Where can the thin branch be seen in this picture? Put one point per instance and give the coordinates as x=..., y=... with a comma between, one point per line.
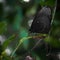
x=54, y=11
x=53, y=15
x=25, y=38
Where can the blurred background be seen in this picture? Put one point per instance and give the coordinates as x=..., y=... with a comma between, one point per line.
x=16, y=17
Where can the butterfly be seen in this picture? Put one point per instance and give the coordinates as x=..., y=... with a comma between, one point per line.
x=42, y=21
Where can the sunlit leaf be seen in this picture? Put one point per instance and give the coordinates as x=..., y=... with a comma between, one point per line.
x=8, y=41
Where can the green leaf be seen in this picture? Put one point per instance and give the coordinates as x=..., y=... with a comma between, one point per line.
x=8, y=41
x=52, y=41
x=50, y=2
x=2, y=27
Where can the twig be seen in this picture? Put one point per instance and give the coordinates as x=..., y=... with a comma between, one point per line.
x=54, y=12
x=53, y=15
x=23, y=39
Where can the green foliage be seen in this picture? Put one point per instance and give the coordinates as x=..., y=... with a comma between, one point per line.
x=8, y=41
x=22, y=13
x=53, y=41
x=3, y=26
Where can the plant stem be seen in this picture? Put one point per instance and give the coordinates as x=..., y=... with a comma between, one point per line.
x=23, y=39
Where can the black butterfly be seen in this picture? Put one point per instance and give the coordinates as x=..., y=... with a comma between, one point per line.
x=42, y=21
